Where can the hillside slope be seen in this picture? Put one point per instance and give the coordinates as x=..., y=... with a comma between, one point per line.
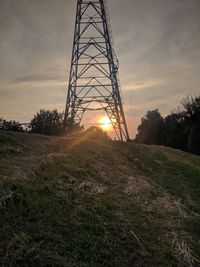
x=82, y=201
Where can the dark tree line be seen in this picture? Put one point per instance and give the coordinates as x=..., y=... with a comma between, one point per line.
x=48, y=122
x=180, y=130
x=44, y=122
x=51, y=123
x=10, y=125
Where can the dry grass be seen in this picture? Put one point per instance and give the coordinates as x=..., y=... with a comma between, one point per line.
x=92, y=187
x=138, y=186
x=68, y=202
x=184, y=252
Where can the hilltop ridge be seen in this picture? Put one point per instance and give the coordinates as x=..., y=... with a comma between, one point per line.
x=84, y=200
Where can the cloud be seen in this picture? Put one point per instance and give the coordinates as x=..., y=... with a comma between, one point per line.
x=142, y=85
x=39, y=79
x=157, y=43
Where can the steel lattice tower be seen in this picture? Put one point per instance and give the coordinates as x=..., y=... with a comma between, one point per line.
x=93, y=81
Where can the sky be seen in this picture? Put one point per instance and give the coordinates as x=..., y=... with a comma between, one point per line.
x=157, y=43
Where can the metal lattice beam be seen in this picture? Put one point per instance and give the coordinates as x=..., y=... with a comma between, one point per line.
x=93, y=81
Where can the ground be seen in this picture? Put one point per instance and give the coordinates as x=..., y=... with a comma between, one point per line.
x=84, y=200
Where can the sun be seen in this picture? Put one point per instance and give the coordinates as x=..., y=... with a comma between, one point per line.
x=105, y=123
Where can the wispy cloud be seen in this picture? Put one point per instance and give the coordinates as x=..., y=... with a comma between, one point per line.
x=39, y=79
x=142, y=84
x=157, y=43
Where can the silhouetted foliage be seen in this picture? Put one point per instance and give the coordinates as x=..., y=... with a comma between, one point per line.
x=47, y=122
x=190, y=108
x=73, y=127
x=52, y=123
x=10, y=126
x=174, y=134
x=180, y=129
x=149, y=129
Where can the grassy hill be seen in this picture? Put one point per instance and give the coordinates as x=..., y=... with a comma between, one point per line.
x=82, y=200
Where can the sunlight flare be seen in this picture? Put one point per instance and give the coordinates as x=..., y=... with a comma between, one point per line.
x=105, y=123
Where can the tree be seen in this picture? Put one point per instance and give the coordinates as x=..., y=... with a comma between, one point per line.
x=190, y=108
x=10, y=125
x=174, y=133
x=193, y=143
x=47, y=122
x=151, y=128
x=180, y=129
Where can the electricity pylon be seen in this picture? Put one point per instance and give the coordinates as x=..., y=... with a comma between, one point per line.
x=93, y=81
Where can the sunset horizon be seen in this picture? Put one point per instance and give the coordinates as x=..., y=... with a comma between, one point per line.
x=156, y=42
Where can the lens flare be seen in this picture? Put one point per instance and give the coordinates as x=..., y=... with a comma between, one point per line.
x=105, y=123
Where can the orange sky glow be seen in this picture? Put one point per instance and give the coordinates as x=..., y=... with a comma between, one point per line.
x=157, y=44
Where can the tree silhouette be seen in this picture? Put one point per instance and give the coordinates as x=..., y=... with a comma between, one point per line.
x=47, y=122
x=190, y=109
x=180, y=129
x=10, y=126
x=150, y=129
x=174, y=134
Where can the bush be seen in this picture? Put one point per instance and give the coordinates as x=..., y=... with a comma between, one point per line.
x=10, y=126
x=47, y=122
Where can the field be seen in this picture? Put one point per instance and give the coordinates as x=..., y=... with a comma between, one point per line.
x=84, y=200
